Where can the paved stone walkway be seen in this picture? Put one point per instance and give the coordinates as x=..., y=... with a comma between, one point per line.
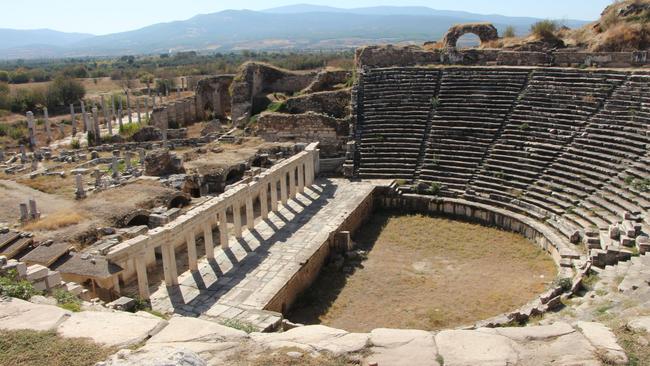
x=242, y=280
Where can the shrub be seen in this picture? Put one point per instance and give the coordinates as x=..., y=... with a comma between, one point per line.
x=4, y=76
x=11, y=286
x=509, y=32
x=435, y=102
x=25, y=99
x=524, y=126
x=277, y=107
x=564, y=283
x=75, y=144
x=129, y=129
x=67, y=300
x=545, y=29
x=63, y=92
x=19, y=77
x=240, y=325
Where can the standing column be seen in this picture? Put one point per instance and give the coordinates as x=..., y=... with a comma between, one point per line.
x=301, y=177
x=119, y=118
x=236, y=213
x=146, y=108
x=31, y=127
x=223, y=229
x=283, y=188
x=191, y=251
x=309, y=173
x=84, y=117
x=98, y=137
x=143, y=280
x=137, y=106
x=250, y=214
x=292, y=182
x=264, y=205
x=274, y=195
x=207, y=239
x=153, y=101
x=107, y=119
x=142, y=157
x=80, y=192
x=169, y=265
x=46, y=118
x=48, y=130
x=128, y=107
x=73, y=120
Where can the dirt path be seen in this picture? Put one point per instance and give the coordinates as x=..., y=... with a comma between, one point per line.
x=12, y=194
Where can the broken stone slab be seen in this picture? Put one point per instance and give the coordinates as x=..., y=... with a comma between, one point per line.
x=315, y=337
x=158, y=356
x=466, y=347
x=36, y=272
x=184, y=329
x=604, y=341
x=397, y=346
x=114, y=329
x=639, y=325
x=16, y=314
x=536, y=333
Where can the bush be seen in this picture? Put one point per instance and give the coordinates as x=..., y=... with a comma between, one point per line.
x=25, y=99
x=75, y=144
x=4, y=76
x=545, y=29
x=11, y=286
x=509, y=32
x=19, y=77
x=67, y=300
x=276, y=107
x=63, y=92
x=129, y=129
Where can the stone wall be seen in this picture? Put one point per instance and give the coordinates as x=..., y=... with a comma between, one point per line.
x=334, y=103
x=255, y=80
x=213, y=96
x=332, y=133
x=327, y=80
x=385, y=56
x=175, y=114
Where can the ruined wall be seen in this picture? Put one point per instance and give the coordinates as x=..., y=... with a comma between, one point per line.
x=332, y=103
x=385, y=56
x=327, y=80
x=213, y=96
x=255, y=80
x=175, y=114
x=331, y=133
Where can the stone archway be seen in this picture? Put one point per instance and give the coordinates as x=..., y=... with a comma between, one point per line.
x=485, y=31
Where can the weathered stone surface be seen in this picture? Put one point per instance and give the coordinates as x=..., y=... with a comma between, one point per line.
x=147, y=133
x=570, y=349
x=18, y=314
x=465, y=347
x=164, y=356
x=532, y=333
x=117, y=329
x=486, y=32
x=604, y=341
x=185, y=329
x=402, y=347
x=316, y=337
x=162, y=162
x=641, y=324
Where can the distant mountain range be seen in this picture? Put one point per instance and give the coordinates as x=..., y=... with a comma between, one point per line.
x=296, y=27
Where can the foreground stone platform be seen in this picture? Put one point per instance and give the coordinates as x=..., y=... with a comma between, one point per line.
x=242, y=281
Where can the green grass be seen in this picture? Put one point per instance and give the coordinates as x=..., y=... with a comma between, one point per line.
x=11, y=286
x=67, y=300
x=277, y=107
x=130, y=129
x=240, y=325
x=29, y=348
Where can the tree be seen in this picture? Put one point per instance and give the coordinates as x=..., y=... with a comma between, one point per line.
x=147, y=78
x=509, y=32
x=19, y=77
x=4, y=76
x=4, y=96
x=63, y=92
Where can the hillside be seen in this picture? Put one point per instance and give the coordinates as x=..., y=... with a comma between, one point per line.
x=289, y=28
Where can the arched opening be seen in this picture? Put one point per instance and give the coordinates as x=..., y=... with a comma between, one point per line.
x=138, y=220
x=468, y=40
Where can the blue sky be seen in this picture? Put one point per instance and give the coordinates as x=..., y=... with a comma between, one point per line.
x=92, y=16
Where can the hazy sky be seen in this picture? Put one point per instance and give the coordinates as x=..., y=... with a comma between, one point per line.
x=101, y=17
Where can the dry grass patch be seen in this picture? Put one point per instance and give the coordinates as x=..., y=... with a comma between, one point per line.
x=427, y=273
x=56, y=220
x=50, y=184
x=29, y=348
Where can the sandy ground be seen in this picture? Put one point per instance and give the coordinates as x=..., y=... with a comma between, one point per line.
x=427, y=273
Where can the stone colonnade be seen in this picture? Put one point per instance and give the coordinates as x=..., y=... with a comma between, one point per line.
x=291, y=175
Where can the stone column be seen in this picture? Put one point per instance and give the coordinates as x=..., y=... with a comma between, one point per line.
x=73, y=121
x=292, y=182
x=178, y=93
x=119, y=119
x=143, y=280
x=128, y=107
x=97, y=174
x=274, y=195
x=283, y=188
x=84, y=117
x=223, y=229
x=114, y=167
x=32, y=129
x=153, y=101
x=169, y=265
x=207, y=239
x=33, y=211
x=107, y=119
x=165, y=125
x=127, y=160
x=236, y=213
x=264, y=204
x=23, y=154
x=192, y=259
x=62, y=129
x=301, y=177
x=98, y=136
x=80, y=192
x=142, y=156
x=309, y=173
x=24, y=213
x=250, y=213
x=146, y=108
x=48, y=130
x=137, y=106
